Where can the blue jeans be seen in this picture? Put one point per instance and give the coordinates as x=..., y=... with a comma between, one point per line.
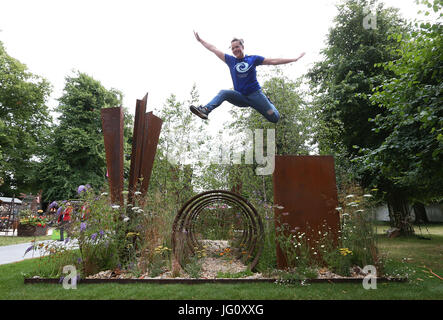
x=256, y=100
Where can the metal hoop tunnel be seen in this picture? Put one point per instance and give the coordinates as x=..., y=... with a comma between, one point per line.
x=252, y=237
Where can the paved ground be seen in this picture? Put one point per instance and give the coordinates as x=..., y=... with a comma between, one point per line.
x=16, y=252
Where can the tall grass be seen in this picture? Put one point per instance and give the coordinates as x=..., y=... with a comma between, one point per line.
x=355, y=245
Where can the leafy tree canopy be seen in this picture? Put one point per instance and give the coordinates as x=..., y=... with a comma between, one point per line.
x=76, y=155
x=411, y=156
x=24, y=124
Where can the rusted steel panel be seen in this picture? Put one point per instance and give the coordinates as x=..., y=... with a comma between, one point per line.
x=152, y=129
x=137, y=147
x=144, y=147
x=305, y=197
x=112, y=125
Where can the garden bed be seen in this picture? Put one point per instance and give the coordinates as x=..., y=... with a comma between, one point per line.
x=222, y=271
x=217, y=268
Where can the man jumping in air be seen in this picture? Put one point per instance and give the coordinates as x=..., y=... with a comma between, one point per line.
x=247, y=90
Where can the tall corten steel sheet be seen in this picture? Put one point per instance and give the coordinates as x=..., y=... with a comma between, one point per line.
x=153, y=125
x=305, y=197
x=137, y=147
x=112, y=125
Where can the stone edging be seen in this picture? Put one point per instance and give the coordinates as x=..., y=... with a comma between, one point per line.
x=201, y=281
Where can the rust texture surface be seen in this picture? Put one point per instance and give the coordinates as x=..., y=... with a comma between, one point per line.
x=145, y=138
x=137, y=144
x=112, y=124
x=305, y=197
x=152, y=127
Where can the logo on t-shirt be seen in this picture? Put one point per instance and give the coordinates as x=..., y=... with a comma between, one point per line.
x=242, y=67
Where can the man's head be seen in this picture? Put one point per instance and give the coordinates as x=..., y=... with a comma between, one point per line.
x=238, y=48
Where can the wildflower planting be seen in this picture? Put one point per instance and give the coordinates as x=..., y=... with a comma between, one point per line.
x=134, y=241
x=323, y=252
x=356, y=245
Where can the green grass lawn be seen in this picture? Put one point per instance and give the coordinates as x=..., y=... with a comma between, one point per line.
x=411, y=254
x=415, y=251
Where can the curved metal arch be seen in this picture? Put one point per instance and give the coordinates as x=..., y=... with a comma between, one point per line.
x=253, y=231
x=204, y=203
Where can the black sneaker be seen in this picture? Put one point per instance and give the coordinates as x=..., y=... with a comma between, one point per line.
x=200, y=111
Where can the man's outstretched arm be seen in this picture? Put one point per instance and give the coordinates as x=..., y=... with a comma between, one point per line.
x=210, y=47
x=277, y=61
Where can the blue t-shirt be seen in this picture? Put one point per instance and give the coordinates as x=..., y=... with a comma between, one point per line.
x=243, y=74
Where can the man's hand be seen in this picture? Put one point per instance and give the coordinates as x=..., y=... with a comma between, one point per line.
x=197, y=36
x=210, y=47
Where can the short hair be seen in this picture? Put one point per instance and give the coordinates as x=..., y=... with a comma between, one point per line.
x=239, y=40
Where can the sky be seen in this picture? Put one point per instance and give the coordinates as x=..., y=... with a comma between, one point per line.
x=141, y=47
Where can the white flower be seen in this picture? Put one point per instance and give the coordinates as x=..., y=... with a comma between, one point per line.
x=339, y=208
x=360, y=210
x=350, y=196
x=135, y=208
x=137, y=193
x=115, y=206
x=353, y=204
x=126, y=219
x=104, y=194
x=367, y=195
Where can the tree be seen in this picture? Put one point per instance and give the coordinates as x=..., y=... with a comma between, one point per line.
x=75, y=155
x=176, y=166
x=410, y=157
x=342, y=84
x=24, y=123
